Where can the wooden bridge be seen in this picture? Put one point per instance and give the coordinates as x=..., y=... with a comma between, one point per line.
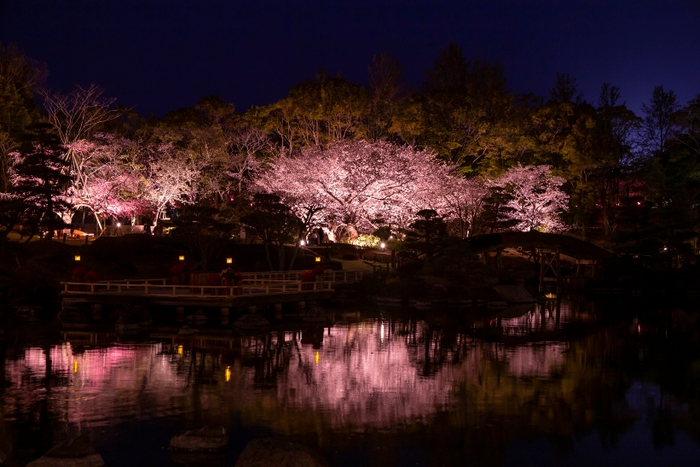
x=255, y=289
x=547, y=250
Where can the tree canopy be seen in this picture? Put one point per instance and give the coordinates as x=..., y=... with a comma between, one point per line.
x=353, y=158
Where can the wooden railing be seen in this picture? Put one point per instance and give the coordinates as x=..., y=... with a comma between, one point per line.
x=190, y=290
x=252, y=284
x=328, y=276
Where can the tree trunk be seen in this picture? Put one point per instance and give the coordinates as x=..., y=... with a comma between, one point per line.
x=294, y=257
x=267, y=255
x=280, y=255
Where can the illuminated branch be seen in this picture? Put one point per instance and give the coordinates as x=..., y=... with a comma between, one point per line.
x=358, y=185
x=537, y=199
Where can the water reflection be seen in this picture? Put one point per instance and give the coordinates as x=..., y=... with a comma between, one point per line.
x=479, y=383
x=372, y=373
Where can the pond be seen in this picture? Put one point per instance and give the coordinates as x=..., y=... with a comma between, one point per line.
x=574, y=383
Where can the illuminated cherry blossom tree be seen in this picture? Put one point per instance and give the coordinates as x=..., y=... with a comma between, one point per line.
x=169, y=179
x=111, y=186
x=537, y=198
x=244, y=144
x=464, y=199
x=129, y=177
x=357, y=186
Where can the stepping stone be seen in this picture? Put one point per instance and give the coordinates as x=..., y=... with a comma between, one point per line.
x=206, y=439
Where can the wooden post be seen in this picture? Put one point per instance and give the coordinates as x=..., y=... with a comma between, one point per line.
x=278, y=310
x=542, y=269
x=224, y=316
x=557, y=271
x=96, y=311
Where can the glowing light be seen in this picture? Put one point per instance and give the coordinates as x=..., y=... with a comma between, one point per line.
x=550, y=296
x=181, y=257
x=639, y=329
x=228, y=374
x=76, y=257
x=317, y=357
x=302, y=242
x=179, y=350
x=381, y=332
x=318, y=259
x=382, y=245
x=229, y=260
x=75, y=366
x=119, y=224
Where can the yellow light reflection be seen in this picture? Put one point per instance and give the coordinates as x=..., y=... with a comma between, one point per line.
x=181, y=257
x=76, y=257
x=317, y=357
x=75, y=366
x=228, y=374
x=179, y=350
x=318, y=259
x=229, y=260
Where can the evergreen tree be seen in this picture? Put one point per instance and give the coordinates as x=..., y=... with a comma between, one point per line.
x=41, y=180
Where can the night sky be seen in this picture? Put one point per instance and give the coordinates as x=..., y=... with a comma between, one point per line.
x=157, y=56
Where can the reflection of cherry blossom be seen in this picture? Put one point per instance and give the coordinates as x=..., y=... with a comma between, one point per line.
x=367, y=374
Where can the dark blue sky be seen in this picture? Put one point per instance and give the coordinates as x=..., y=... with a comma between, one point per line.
x=157, y=56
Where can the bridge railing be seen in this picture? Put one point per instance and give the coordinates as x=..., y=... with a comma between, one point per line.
x=252, y=284
x=264, y=277
x=331, y=275
x=150, y=289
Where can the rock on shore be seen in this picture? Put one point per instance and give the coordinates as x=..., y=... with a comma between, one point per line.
x=206, y=439
x=264, y=452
